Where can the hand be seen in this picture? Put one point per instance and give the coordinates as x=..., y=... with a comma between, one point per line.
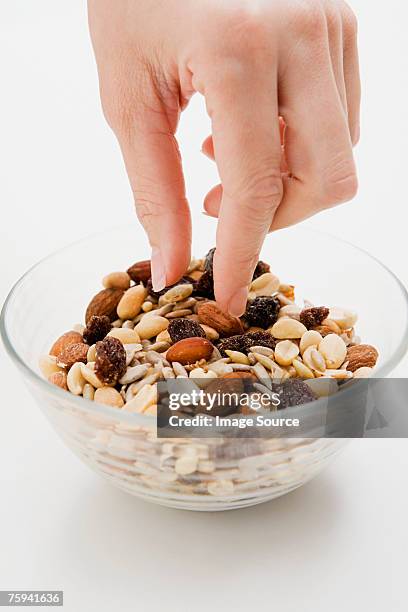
x=253, y=61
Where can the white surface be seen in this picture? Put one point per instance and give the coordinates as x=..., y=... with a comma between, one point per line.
x=338, y=543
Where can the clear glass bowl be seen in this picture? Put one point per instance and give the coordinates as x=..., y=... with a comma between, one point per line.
x=123, y=448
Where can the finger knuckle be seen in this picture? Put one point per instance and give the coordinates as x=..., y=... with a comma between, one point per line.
x=350, y=22
x=341, y=183
x=310, y=20
x=259, y=194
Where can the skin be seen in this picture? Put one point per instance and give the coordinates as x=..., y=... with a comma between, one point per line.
x=281, y=85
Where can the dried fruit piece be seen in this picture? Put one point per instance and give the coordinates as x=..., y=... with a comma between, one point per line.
x=104, y=303
x=243, y=342
x=72, y=354
x=184, y=328
x=96, y=329
x=293, y=392
x=110, y=363
x=205, y=286
x=190, y=350
x=140, y=271
x=261, y=268
x=209, y=261
x=311, y=317
x=225, y=324
x=262, y=312
x=70, y=337
x=361, y=356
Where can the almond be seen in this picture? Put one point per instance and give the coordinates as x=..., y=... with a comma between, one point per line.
x=361, y=356
x=225, y=324
x=239, y=375
x=72, y=354
x=59, y=379
x=140, y=271
x=104, y=303
x=70, y=337
x=190, y=350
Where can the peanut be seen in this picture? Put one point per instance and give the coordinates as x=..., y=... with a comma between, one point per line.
x=126, y=336
x=75, y=380
x=116, y=280
x=285, y=352
x=108, y=396
x=334, y=350
x=288, y=329
x=131, y=302
x=151, y=326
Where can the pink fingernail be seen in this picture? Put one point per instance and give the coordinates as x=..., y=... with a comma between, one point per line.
x=237, y=303
x=158, y=270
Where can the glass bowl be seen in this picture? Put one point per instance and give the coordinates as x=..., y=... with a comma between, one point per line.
x=53, y=295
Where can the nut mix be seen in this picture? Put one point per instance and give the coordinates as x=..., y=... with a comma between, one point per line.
x=134, y=337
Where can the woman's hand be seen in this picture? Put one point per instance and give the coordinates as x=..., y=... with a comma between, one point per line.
x=253, y=61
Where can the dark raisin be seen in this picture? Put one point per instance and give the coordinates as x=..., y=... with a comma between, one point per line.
x=209, y=261
x=110, y=362
x=204, y=287
x=260, y=338
x=262, y=312
x=261, y=268
x=97, y=328
x=179, y=329
x=293, y=392
x=243, y=342
x=184, y=280
x=311, y=317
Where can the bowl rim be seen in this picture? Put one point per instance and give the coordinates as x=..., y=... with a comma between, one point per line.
x=101, y=409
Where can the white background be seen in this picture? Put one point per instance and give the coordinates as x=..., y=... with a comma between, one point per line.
x=339, y=542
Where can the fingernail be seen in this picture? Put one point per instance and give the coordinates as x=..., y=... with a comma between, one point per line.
x=206, y=154
x=158, y=270
x=237, y=303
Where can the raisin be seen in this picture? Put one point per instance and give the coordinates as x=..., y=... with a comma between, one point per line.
x=261, y=268
x=179, y=329
x=293, y=392
x=260, y=338
x=97, y=328
x=312, y=317
x=243, y=342
x=110, y=362
x=183, y=281
x=262, y=312
x=209, y=261
x=204, y=287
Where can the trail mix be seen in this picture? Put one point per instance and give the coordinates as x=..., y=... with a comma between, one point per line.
x=134, y=337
